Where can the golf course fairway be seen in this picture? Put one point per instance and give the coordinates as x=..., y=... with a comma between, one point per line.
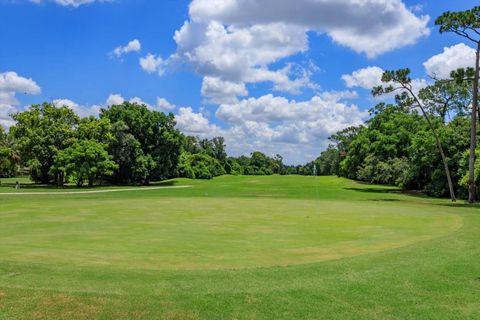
x=238, y=248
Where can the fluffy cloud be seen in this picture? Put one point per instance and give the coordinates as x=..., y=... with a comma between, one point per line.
x=82, y=111
x=366, y=78
x=232, y=43
x=195, y=124
x=228, y=57
x=164, y=105
x=132, y=46
x=153, y=64
x=161, y=104
x=369, y=26
x=452, y=58
x=94, y=110
x=370, y=77
x=297, y=130
x=71, y=3
x=114, y=99
x=222, y=91
x=10, y=85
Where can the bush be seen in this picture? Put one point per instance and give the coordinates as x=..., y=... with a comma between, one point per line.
x=199, y=166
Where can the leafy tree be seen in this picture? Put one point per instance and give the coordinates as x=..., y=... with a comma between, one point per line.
x=128, y=154
x=191, y=145
x=152, y=142
x=219, y=147
x=41, y=132
x=328, y=162
x=9, y=156
x=444, y=97
x=400, y=80
x=91, y=128
x=85, y=160
x=426, y=167
x=343, y=138
x=236, y=168
x=199, y=166
x=467, y=25
x=391, y=171
x=277, y=164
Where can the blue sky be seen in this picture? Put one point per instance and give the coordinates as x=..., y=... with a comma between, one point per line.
x=270, y=75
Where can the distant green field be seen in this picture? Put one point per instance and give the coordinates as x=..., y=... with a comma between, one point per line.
x=237, y=248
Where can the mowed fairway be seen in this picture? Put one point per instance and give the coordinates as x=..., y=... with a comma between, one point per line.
x=238, y=248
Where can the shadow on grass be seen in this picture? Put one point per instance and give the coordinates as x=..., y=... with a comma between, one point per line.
x=374, y=190
x=33, y=186
x=384, y=200
x=410, y=193
x=460, y=204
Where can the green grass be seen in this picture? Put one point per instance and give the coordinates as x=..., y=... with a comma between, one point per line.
x=238, y=248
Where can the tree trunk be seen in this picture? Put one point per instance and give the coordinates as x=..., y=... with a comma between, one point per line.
x=439, y=146
x=472, y=187
x=444, y=158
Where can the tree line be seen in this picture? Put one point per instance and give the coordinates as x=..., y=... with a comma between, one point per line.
x=426, y=140
x=126, y=144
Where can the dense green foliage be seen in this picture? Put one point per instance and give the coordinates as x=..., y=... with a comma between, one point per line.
x=205, y=159
x=199, y=166
x=84, y=160
x=127, y=144
x=146, y=144
x=9, y=157
x=396, y=147
x=257, y=164
x=41, y=132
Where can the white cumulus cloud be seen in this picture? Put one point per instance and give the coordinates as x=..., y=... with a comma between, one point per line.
x=233, y=43
x=114, y=99
x=369, y=26
x=82, y=111
x=195, y=123
x=298, y=130
x=153, y=64
x=366, y=78
x=12, y=84
x=164, y=105
x=132, y=46
x=452, y=58
x=370, y=77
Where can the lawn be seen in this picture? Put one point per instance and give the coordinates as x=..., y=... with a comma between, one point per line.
x=237, y=248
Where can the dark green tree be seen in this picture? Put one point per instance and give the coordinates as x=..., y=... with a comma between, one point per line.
x=9, y=156
x=400, y=81
x=150, y=137
x=219, y=147
x=467, y=25
x=41, y=132
x=85, y=160
x=199, y=166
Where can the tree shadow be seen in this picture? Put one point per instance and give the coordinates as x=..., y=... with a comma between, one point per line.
x=460, y=204
x=384, y=200
x=379, y=190
x=169, y=183
x=33, y=186
x=374, y=190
